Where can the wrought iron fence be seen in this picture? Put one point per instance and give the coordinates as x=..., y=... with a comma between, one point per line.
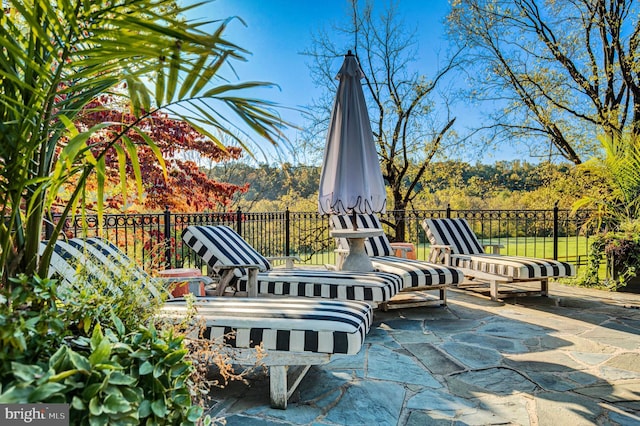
x=154, y=239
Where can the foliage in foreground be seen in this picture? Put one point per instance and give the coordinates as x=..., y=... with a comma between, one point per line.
x=129, y=373
x=59, y=58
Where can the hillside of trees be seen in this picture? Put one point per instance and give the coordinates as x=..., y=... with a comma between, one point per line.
x=502, y=185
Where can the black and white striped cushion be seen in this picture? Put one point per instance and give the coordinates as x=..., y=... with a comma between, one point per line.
x=95, y=260
x=69, y=265
x=416, y=273
x=109, y=257
x=517, y=267
x=373, y=246
x=295, y=324
x=468, y=253
x=283, y=324
x=222, y=246
x=455, y=233
x=374, y=287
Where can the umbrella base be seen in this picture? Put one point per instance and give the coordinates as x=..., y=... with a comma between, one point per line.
x=357, y=260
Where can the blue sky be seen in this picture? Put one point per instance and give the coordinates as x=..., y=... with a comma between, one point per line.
x=277, y=31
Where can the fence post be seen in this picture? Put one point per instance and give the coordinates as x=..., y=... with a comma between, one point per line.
x=48, y=226
x=239, y=222
x=448, y=211
x=555, y=231
x=167, y=237
x=287, y=233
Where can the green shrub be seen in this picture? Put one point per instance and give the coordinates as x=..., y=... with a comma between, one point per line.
x=112, y=378
x=128, y=374
x=32, y=327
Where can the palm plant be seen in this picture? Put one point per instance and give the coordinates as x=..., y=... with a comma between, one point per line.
x=56, y=56
x=615, y=207
x=617, y=201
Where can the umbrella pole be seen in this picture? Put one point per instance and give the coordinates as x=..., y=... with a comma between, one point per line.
x=354, y=220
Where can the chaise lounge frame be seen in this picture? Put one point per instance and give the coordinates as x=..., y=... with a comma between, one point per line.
x=454, y=243
x=324, y=322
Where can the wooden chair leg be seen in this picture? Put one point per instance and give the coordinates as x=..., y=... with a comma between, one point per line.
x=544, y=287
x=493, y=288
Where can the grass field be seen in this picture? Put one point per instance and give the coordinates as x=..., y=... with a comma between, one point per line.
x=573, y=250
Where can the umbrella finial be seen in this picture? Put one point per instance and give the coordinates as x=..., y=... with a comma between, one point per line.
x=349, y=53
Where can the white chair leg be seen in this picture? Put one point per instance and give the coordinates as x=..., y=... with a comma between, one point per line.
x=493, y=288
x=278, y=386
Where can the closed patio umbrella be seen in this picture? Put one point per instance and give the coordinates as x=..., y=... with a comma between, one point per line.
x=351, y=181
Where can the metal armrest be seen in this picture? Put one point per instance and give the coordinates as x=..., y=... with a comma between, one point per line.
x=288, y=260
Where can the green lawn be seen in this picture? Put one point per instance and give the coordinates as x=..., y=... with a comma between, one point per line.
x=572, y=249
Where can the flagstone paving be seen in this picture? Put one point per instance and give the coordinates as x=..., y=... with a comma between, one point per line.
x=570, y=359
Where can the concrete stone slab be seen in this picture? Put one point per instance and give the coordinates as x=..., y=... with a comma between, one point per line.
x=442, y=402
x=409, y=337
x=572, y=408
x=436, y=361
x=498, y=343
x=371, y=403
x=514, y=408
x=629, y=361
x=419, y=418
x=611, y=337
x=472, y=356
x=613, y=392
x=548, y=361
x=497, y=381
x=388, y=365
x=500, y=327
x=455, y=326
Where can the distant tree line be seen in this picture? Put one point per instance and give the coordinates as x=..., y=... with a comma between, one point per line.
x=504, y=184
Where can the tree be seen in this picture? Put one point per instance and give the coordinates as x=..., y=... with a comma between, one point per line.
x=58, y=57
x=406, y=128
x=186, y=187
x=560, y=72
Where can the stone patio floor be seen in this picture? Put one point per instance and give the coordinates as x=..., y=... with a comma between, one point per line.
x=572, y=358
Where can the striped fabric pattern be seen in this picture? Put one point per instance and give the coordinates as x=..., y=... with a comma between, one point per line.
x=374, y=246
x=455, y=233
x=68, y=265
x=374, y=287
x=109, y=257
x=96, y=260
x=467, y=253
x=414, y=273
x=296, y=324
x=222, y=246
x=291, y=324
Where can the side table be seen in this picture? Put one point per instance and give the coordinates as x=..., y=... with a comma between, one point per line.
x=189, y=285
x=357, y=260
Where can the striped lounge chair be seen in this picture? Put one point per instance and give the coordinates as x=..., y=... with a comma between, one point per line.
x=454, y=243
x=241, y=267
x=416, y=274
x=295, y=333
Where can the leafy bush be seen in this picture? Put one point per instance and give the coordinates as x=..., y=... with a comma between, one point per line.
x=120, y=376
x=112, y=378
